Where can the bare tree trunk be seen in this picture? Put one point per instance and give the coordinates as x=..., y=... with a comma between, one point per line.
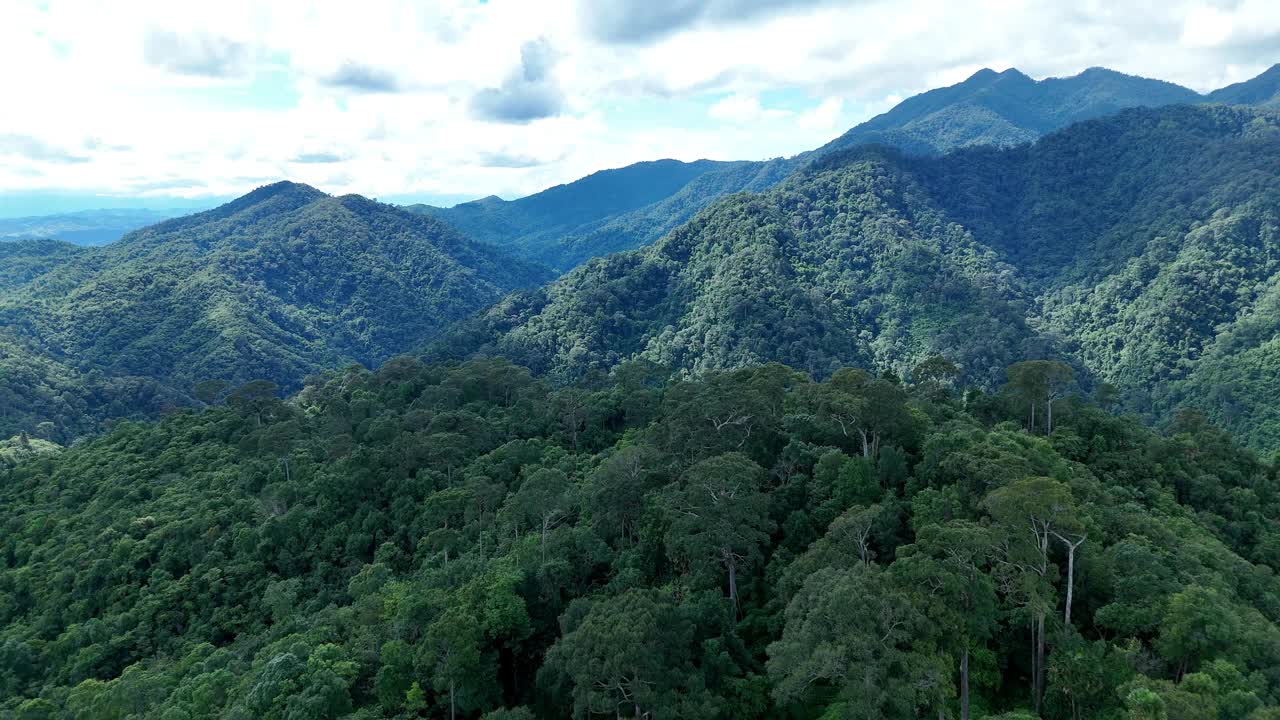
x=964, y=683
x=1049, y=415
x=1071, y=574
x=1031, y=427
x=453, y=708
x=732, y=564
x=1035, y=670
x=1040, y=675
x=1071, y=584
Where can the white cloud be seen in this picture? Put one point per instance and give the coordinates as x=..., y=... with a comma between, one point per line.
x=158, y=96
x=824, y=117
x=742, y=108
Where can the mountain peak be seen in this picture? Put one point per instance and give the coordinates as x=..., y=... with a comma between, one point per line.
x=282, y=187
x=985, y=74
x=284, y=192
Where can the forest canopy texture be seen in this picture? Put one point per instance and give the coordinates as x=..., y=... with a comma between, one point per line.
x=469, y=541
x=1141, y=248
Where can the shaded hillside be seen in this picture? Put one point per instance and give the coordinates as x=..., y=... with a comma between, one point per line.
x=1130, y=245
x=276, y=285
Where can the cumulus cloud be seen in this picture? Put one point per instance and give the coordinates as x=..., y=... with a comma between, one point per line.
x=509, y=160
x=530, y=93
x=642, y=21
x=362, y=78
x=195, y=53
x=826, y=116
x=404, y=93
x=32, y=148
x=317, y=158
x=741, y=108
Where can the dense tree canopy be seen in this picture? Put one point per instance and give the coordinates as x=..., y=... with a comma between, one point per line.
x=1139, y=249
x=468, y=541
x=279, y=284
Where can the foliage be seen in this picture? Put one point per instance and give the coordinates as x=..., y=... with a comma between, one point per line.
x=1140, y=249
x=467, y=540
x=277, y=285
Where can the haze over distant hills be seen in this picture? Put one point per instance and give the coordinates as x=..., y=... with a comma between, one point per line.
x=275, y=285
x=567, y=224
x=84, y=227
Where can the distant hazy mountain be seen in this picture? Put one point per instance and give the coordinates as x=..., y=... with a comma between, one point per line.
x=535, y=226
x=86, y=227
x=1144, y=247
x=634, y=206
x=280, y=283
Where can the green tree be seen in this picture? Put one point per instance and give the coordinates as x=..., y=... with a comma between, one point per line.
x=946, y=570
x=718, y=513
x=627, y=656
x=1038, y=381
x=851, y=632
x=1028, y=513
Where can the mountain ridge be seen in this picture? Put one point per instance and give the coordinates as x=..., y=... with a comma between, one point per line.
x=988, y=108
x=881, y=259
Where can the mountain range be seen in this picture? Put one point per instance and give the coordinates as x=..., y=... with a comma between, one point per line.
x=567, y=224
x=1143, y=246
x=879, y=254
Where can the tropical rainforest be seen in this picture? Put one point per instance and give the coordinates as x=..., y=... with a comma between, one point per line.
x=469, y=541
x=969, y=414
x=281, y=283
x=1141, y=247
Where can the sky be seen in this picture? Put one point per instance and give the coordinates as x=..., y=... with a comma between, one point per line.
x=178, y=103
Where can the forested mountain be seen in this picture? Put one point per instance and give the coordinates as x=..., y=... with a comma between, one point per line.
x=278, y=284
x=1005, y=109
x=633, y=206
x=86, y=227
x=1263, y=91
x=24, y=260
x=534, y=225
x=469, y=542
x=1144, y=248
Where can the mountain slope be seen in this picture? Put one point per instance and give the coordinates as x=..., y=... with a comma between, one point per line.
x=568, y=224
x=1090, y=245
x=1005, y=109
x=276, y=285
x=1263, y=90
x=534, y=225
